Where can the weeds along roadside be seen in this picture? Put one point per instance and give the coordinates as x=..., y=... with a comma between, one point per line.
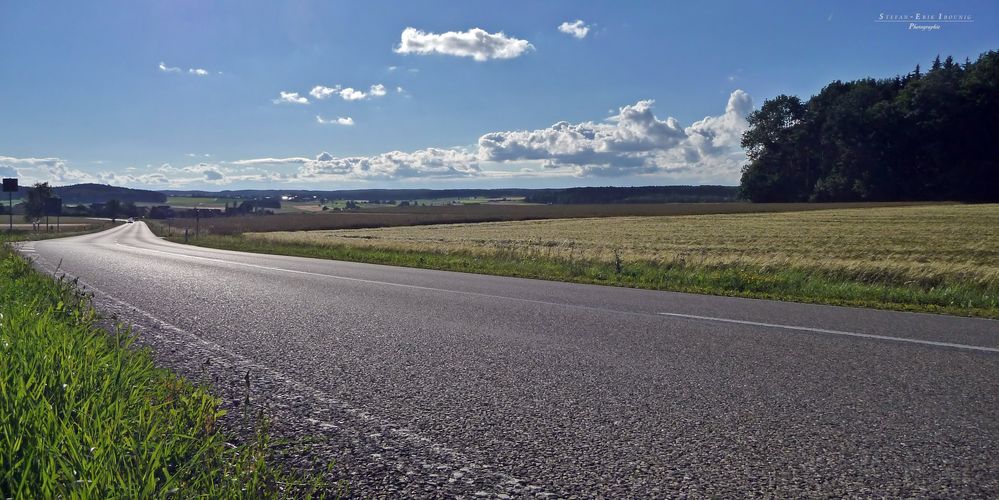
x=26, y=235
x=83, y=413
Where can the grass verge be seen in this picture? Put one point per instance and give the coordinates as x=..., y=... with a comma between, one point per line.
x=739, y=280
x=85, y=414
x=25, y=235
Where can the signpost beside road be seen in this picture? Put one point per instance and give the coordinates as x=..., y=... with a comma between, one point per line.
x=53, y=206
x=10, y=187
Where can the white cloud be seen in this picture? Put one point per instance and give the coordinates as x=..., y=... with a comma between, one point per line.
x=634, y=141
x=271, y=161
x=7, y=171
x=349, y=94
x=346, y=121
x=291, y=97
x=400, y=90
x=431, y=162
x=191, y=71
x=168, y=69
x=576, y=28
x=475, y=43
x=321, y=92
x=54, y=170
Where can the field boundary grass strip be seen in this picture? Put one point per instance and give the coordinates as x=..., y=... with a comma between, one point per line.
x=789, y=284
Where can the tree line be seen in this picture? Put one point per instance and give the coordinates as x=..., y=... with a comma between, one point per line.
x=637, y=194
x=921, y=136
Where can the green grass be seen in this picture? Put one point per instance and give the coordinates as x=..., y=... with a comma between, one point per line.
x=28, y=235
x=741, y=280
x=195, y=201
x=84, y=414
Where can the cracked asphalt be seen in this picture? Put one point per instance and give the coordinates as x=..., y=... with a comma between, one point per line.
x=437, y=384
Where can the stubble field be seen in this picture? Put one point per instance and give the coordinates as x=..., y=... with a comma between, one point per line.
x=942, y=258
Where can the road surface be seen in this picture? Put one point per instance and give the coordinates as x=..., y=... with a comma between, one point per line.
x=427, y=383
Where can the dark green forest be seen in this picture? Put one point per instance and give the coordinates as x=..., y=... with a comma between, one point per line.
x=930, y=135
x=638, y=194
x=100, y=193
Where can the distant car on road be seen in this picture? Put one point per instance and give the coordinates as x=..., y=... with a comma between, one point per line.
x=130, y=220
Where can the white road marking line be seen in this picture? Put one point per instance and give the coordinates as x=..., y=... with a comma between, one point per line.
x=386, y=283
x=577, y=306
x=835, y=332
x=459, y=460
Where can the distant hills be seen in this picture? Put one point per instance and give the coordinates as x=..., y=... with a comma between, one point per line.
x=85, y=194
x=78, y=194
x=638, y=194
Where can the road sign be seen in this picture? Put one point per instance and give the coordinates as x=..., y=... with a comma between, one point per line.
x=53, y=206
x=10, y=185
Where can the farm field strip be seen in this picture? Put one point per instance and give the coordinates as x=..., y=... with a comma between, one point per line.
x=933, y=258
x=474, y=213
x=922, y=243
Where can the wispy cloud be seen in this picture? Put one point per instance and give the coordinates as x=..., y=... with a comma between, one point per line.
x=168, y=69
x=340, y=120
x=576, y=28
x=191, y=71
x=475, y=43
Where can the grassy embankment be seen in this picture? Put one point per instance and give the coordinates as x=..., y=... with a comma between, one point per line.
x=85, y=415
x=942, y=259
x=26, y=234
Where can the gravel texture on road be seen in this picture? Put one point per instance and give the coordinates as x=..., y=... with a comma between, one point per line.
x=427, y=383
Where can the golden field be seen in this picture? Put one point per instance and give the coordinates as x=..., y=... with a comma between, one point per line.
x=915, y=246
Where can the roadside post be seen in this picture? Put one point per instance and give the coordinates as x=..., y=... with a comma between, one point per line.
x=53, y=206
x=9, y=187
x=197, y=222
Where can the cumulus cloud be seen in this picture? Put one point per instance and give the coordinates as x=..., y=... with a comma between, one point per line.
x=291, y=97
x=431, y=162
x=322, y=92
x=634, y=141
x=475, y=43
x=347, y=93
x=271, y=161
x=198, y=71
x=54, y=170
x=200, y=173
x=576, y=28
x=340, y=120
x=213, y=175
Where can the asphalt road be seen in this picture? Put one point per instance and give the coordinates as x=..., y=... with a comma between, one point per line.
x=426, y=383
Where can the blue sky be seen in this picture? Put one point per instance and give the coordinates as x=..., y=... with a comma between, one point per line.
x=188, y=94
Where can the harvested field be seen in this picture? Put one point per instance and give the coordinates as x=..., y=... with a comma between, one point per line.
x=411, y=216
